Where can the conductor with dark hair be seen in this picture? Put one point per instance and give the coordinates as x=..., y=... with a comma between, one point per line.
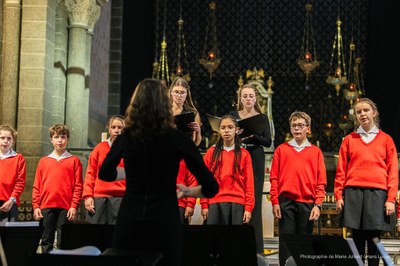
x=152, y=149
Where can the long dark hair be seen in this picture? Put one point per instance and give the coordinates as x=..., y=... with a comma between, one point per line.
x=216, y=160
x=149, y=114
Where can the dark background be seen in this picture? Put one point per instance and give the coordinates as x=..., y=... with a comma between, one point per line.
x=267, y=34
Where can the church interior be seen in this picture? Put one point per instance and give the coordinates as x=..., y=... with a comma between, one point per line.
x=79, y=63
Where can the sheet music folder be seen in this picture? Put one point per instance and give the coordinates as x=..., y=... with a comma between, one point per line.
x=182, y=121
x=250, y=126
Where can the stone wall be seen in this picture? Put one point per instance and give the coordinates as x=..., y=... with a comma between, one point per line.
x=35, y=84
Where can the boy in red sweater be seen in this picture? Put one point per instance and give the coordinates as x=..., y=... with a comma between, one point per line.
x=298, y=181
x=57, y=189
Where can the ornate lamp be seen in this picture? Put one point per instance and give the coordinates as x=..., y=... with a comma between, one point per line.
x=210, y=59
x=337, y=75
x=354, y=88
x=154, y=73
x=181, y=62
x=307, y=60
x=346, y=124
x=163, y=70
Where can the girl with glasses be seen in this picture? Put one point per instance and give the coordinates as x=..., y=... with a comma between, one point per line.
x=182, y=102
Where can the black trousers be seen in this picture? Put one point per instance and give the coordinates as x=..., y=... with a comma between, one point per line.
x=53, y=219
x=294, y=221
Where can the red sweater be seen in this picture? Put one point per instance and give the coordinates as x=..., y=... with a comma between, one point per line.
x=299, y=176
x=367, y=165
x=58, y=184
x=233, y=187
x=93, y=186
x=12, y=177
x=186, y=178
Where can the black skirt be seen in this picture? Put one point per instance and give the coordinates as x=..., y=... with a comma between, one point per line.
x=364, y=209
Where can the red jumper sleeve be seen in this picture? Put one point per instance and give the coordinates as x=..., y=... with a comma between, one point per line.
x=249, y=178
x=341, y=170
x=77, y=196
x=321, y=179
x=20, y=180
x=274, y=178
x=393, y=170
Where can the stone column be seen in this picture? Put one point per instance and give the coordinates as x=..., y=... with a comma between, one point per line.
x=80, y=13
x=10, y=62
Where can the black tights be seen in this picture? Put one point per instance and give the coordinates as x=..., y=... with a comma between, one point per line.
x=362, y=236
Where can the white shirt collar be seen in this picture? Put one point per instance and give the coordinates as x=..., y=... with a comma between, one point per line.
x=10, y=153
x=229, y=148
x=65, y=155
x=374, y=130
x=109, y=141
x=293, y=143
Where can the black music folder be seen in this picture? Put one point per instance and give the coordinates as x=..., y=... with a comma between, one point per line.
x=182, y=121
x=214, y=122
x=252, y=125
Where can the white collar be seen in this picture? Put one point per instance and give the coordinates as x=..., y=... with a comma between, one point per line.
x=10, y=153
x=374, y=130
x=293, y=143
x=231, y=148
x=65, y=155
x=109, y=142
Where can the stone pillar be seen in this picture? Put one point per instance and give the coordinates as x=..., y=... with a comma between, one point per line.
x=10, y=62
x=89, y=84
x=80, y=14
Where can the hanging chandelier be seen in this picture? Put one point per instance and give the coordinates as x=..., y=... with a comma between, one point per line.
x=307, y=60
x=181, y=62
x=337, y=75
x=155, y=63
x=350, y=92
x=355, y=88
x=210, y=59
x=163, y=69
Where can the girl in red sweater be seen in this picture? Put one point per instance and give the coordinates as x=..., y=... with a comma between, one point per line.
x=232, y=167
x=12, y=175
x=366, y=180
x=102, y=199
